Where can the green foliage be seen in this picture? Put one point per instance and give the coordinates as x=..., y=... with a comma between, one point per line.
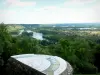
x=27, y=34
x=5, y=39
x=77, y=50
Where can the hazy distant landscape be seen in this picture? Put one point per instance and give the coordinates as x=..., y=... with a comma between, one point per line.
x=80, y=29
x=78, y=44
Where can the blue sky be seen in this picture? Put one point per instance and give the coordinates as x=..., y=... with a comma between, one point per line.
x=49, y=11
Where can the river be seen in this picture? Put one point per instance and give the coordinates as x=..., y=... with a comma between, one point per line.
x=38, y=36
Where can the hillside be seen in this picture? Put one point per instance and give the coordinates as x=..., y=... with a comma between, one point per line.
x=14, y=27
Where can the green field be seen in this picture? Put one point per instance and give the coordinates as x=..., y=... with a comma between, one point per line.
x=12, y=28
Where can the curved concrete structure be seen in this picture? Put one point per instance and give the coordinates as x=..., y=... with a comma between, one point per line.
x=49, y=65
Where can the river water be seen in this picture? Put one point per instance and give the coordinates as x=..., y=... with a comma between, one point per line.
x=38, y=36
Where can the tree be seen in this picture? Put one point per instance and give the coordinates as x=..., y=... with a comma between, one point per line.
x=78, y=53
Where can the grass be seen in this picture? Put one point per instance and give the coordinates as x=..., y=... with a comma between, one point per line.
x=12, y=28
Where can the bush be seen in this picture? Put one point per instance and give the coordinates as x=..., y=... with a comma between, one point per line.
x=88, y=68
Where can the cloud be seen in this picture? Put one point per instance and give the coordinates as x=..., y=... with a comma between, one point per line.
x=49, y=8
x=19, y=3
x=79, y=3
x=2, y=14
x=53, y=14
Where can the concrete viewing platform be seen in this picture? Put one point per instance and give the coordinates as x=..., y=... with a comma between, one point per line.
x=46, y=64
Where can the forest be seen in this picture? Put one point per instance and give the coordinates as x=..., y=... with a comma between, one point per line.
x=81, y=48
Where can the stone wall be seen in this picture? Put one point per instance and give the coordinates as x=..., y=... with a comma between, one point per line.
x=69, y=70
x=15, y=67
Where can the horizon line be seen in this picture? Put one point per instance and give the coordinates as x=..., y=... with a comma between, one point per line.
x=55, y=23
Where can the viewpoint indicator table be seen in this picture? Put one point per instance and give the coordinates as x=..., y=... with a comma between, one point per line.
x=49, y=65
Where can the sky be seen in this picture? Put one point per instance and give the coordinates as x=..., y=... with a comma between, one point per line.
x=49, y=11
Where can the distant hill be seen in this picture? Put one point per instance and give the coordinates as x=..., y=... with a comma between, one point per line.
x=14, y=27
x=30, y=25
x=72, y=25
x=85, y=25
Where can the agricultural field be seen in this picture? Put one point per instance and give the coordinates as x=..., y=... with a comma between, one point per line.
x=12, y=28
